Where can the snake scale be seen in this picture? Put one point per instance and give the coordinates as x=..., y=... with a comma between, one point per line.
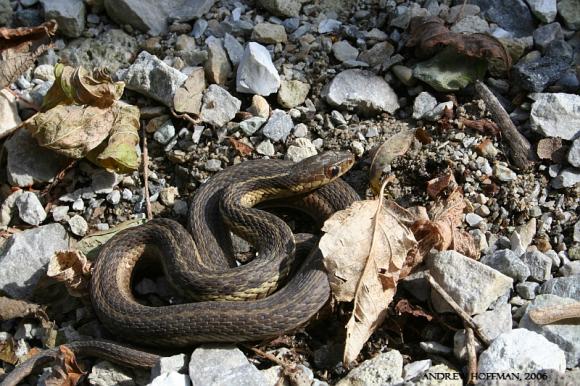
x=233, y=303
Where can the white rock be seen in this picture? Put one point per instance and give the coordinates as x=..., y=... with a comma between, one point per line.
x=78, y=225
x=424, y=102
x=8, y=208
x=301, y=149
x=523, y=351
x=30, y=209
x=278, y=127
x=9, y=118
x=106, y=374
x=544, y=10
x=266, y=148
x=219, y=106
x=556, y=115
x=256, y=73
x=384, y=369
x=567, y=178
x=170, y=379
x=574, y=153
x=175, y=363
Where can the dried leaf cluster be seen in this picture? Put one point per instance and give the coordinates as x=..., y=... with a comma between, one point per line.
x=73, y=269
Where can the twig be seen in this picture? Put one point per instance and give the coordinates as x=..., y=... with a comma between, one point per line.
x=268, y=356
x=522, y=153
x=58, y=179
x=471, y=355
x=458, y=310
x=145, y=156
x=187, y=117
x=555, y=314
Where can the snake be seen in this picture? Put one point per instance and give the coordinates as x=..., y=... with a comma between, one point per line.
x=269, y=296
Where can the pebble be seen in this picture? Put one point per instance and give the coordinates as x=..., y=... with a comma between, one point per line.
x=175, y=363
x=60, y=213
x=219, y=106
x=188, y=97
x=251, y=125
x=300, y=149
x=415, y=369
x=527, y=290
x=199, y=28
x=69, y=14
x=539, y=264
x=171, y=379
x=213, y=165
x=217, y=66
x=300, y=130
x=344, y=52
x=384, y=369
x=78, y=205
x=574, y=153
x=567, y=178
x=114, y=197
x=278, y=127
x=424, y=102
x=514, y=17
x=503, y=173
x=546, y=34
x=234, y=49
x=30, y=210
x=259, y=107
x=164, y=133
x=180, y=207
x=266, y=148
x=506, y=262
x=473, y=219
x=292, y=93
x=256, y=73
x=78, y=225
x=570, y=13
x=288, y=8
x=544, y=10
x=329, y=25
x=570, y=269
x=269, y=33
x=105, y=373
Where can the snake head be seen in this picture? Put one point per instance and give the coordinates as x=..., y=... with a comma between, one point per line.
x=316, y=171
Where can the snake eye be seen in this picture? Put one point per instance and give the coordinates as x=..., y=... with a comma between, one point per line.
x=333, y=171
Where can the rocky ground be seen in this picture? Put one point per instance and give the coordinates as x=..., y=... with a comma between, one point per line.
x=218, y=82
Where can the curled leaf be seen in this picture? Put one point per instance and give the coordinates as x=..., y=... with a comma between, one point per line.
x=66, y=371
x=72, y=268
x=91, y=244
x=13, y=308
x=242, y=148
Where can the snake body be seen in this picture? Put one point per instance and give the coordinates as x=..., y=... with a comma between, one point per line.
x=202, y=263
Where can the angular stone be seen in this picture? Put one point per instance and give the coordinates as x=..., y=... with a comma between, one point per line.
x=170, y=379
x=361, y=91
x=279, y=126
x=292, y=93
x=269, y=33
x=424, y=102
x=175, y=363
x=9, y=118
x=30, y=209
x=302, y=148
x=152, y=77
x=539, y=264
x=556, y=115
x=105, y=373
x=565, y=287
x=217, y=66
x=546, y=34
x=251, y=125
x=234, y=49
x=506, y=262
x=544, y=10
x=69, y=14
x=513, y=16
x=256, y=72
x=78, y=225
x=188, y=97
x=344, y=52
x=473, y=285
x=535, y=75
x=569, y=10
x=378, y=54
x=282, y=7
x=219, y=106
x=574, y=153
x=24, y=255
x=384, y=369
x=567, y=178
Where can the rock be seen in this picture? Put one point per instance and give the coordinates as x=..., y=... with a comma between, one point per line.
x=103, y=181
x=378, y=54
x=344, y=52
x=503, y=173
x=164, y=133
x=556, y=115
x=523, y=236
x=151, y=16
x=266, y=148
x=301, y=375
x=251, y=125
x=361, y=91
x=328, y=25
x=521, y=350
x=5, y=13
x=574, y=153
x=473, y=285
x=217, y=67
x=424, y=102
x=8, y=209
x=256, y=72
x=567, y=178
x=565, y=287
x=78, y=225
x=184, y=43
x=514, y=16
x=292, y=93
x=188, y=97
x=301, y=149
x=222, y=365
x=539, y=264
x=171, y=379
x=535, y=75
x=9, y=118
x=570, y=269
x=565, y=334
x=506, y=262
x=24, y=170
x=527, y=290
x=544, y=10
x=259, y=107
x=69, y=14
x=495, y=322
x=415, y=369
x=24, y=255
x=213, y=165
x=105, y=373
x=447, y=72
x=269, y=33
x=278, y=127
x=470, y=25
x=30, y=209
x=150, y=76
x=546, y=34
x=473, y=219
x=175, y=363
x=570, y=12
x=287, y=8
x=112, y=49
x=114, y=197
x=219, y=106
x=234, y=49
x=384, y=369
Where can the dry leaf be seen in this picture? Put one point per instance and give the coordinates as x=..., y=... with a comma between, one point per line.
x=19, y=48
x=429, y=35
x=439, y=184
x=241, y=148
x=66, y=372
x=484, y=126
x=7, y=353
x=91, y=244
x=552, y=149
x=385, y=153
x=72, y=268
x=365, y=248
x=404, y=307
x=13, y=308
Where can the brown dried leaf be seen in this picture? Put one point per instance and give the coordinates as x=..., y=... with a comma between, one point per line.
x=404, y=307
x=484, y=126
x=241, y=148
x=365, y=248
x=91, y=244
x=439, y=184
x=73, y=269
x=551, y=149
x=385, y=153
x=66, y=372
x=19, y=48
x=13, y=308
x=7, y=351
x=429, y=35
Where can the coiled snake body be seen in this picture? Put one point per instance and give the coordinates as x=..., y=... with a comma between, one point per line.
x=200, y=265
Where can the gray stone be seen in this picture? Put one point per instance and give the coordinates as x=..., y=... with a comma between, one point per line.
x=199, y=28
x=69, y=14
x=292, y=93
x=24, y=170
x=565, y=334
x=361, y=91
x=30, y=209
x=544, y=10
x=282, y=7
x=5, y=12
x=266, y=148
x=113, y=49
x=513, y=16
x=569, y=10
x=222, y=365
x=234, y=48
x=503, y=173
x=424, y=102
x=527, y=290
x=278, y=127
x=189, y=95
x=521, y=350
x=217, y=66
x=251, y=125
x=565, y=287
x=567, y=178
x=300, y=149
x=269, y=33
x=378, y=54
x=175, y=363
x=78, y=225
x=24, y=255
x=473, y=285
x=103, y=182
x=164, y=133
x=105, y=373
x=150, y=76
x=508, y=263
x=219, y=106
x=384, y=369
x=462, y=10
x=329, y=25
x=302, y=375
x=473, y=219
x=60, y=213
x=546, y=34
x=522, y=237
x=570, y=269
x=535, y=75
x=496, y=321
x=170, y=379
x=574, y=153
x=213, y=165
x=114, y=197
x=415, y=369
x=343, y=51
x=256, y=72
x=470, y=25
x=152, y=16
x=540, y=265
x=9, y=118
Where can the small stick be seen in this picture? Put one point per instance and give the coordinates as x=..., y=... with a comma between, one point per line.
x=471, y=355
x=522, y=153
x=553, y=314
x=146, y=175
x=187, y=117
x=458, y=310
x=268, y=356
